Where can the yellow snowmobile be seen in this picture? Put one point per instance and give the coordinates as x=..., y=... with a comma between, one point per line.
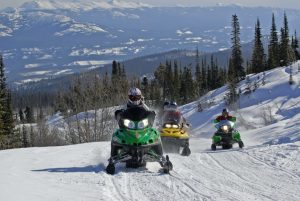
x=174, y=133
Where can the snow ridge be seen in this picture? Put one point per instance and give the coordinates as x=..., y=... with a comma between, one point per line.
x=77, y=5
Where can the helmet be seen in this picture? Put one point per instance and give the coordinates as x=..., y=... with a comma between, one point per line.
x=166, y=103
x=225, y=112
x=173, y=103
x=134, y=96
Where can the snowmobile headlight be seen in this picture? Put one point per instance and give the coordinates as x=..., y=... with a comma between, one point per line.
x=168, y=125
x=175, y=126
x=225, y=128
x=129, y=124
x=143, y=124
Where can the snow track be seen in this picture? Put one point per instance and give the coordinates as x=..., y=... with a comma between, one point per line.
x=222, y=175
x=78, y=173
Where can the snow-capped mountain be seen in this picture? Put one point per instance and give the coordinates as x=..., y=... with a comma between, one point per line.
x=43, y=39
x=83, y=5
x=266, y=169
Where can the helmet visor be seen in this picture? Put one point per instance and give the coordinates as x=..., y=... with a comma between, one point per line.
x=135, y=97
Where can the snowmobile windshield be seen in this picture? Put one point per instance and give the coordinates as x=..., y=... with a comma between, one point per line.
x=225, y=123
x=171, y=117
x=137, y=114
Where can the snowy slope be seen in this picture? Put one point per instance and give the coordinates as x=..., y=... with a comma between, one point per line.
x=268, y=168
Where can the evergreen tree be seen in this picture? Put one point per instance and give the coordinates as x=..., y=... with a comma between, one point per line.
x=232, y=85
x=295, y=46
x=186, y=86
x=25, y=141
x=236, y=54
x=114, y=71
x=199, y=79
x=273, y=48
x=159, y=74
x=7, y=114
x=204, y=76
x=3, y=136
x=169, y=89
x=198, y=75
x=258, y=56
x=21, y=116
x=145, y=87
x=176, y=81
x=287, y=54
x=29, y=115
x=235, y=70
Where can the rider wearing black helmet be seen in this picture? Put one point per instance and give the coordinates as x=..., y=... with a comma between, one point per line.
x=225, y=116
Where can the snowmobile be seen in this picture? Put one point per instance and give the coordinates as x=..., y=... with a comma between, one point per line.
x=174, y=134
x=226, y=135
x=136, y=142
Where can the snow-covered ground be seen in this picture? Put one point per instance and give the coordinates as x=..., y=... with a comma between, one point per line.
x=268, y=168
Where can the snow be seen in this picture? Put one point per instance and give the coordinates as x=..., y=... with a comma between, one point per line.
x=80, y=28
x=88, y=63
x=181, y=33
x=33, y=65
x=105, y=51
x=36, y=73
x=268, y=168
x=84, y=5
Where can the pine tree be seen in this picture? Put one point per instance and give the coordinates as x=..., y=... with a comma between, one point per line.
x=235, y=68
x=145, y=87
x=204, y=76
x=169, y=89
x=232, y=84
x=236, y=54
x=114, y=71
x=7, y=120
x=21, y=116
x=186, y=86
x=198, y=75
x=258, y=56
x=295, y=46
x=25, y=141
x=29, y=115
x=176, y=81
x=284, y=43
x=159, y=74
x=273, y=48
x=199, y=79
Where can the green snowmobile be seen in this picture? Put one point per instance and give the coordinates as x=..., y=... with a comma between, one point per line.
x=226, y=135
x=136, y=142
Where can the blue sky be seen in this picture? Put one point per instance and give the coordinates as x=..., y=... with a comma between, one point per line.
x=270, y=3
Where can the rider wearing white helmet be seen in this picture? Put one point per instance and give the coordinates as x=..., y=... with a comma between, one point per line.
x=135, y=98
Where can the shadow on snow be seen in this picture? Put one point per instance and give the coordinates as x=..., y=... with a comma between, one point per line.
x=90, y=168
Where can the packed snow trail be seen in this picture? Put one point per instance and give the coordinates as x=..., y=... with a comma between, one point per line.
x=78, y=173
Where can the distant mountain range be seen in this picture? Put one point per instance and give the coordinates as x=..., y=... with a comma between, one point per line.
x=46, y=39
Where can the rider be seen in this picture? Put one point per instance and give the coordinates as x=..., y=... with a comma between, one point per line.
x=225, y=116
x=171, y=112
x=135, y=100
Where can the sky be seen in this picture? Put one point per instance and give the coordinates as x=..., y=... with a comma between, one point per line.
x=270, y=3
